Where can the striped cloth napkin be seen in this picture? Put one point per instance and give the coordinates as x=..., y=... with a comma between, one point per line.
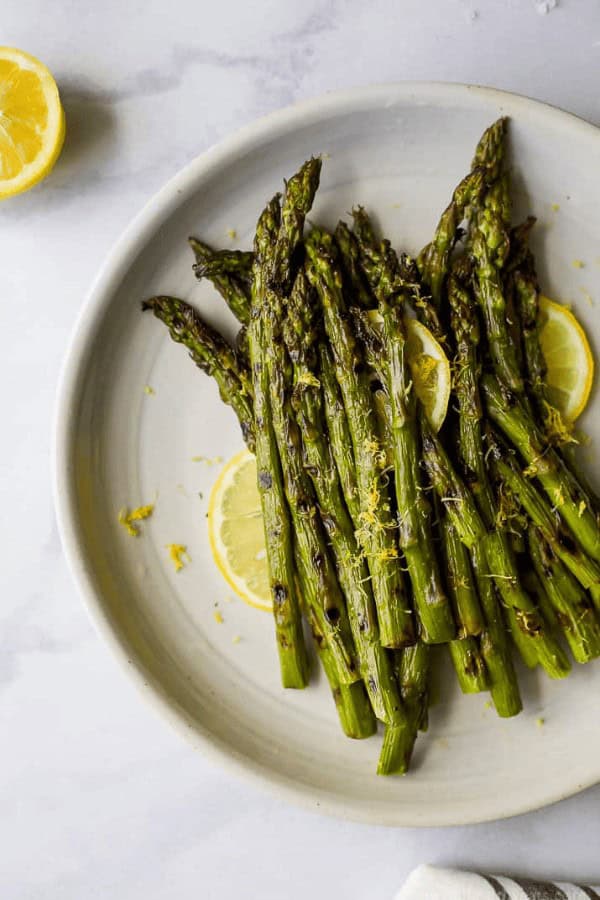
x=431, y=883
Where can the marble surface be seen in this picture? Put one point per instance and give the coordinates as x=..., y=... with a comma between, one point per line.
x=98, y=797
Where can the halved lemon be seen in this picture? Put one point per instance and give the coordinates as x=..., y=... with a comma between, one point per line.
x=568, y=359
x=235, y=531
x=32, y=121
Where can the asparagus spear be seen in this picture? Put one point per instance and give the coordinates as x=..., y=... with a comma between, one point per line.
x=276, y=516
x=227, y=263
x=467, y=612
x=322, y=590
x=469, y=665
x=434, y=259
x=488, y=234
x=363, y=228
x=466, y=332
x=569, y=601
x=545, y=518
x=355, y=286
x=526, y=292
x=527, y=650
x=339, y=433
x=390, y=281
x=299, y=194
x=414, y=511
x=544, y=464
x=324, y=596
x=233, y=286
x=465, y=654
x=301, y=336
x=491, y=148
x=465, y=517
x=211, y=353
x=399, y=740
x=494, y=644
x=375, y=534
x=351, y=700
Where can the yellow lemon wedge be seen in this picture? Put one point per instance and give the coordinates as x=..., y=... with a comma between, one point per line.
x=429, y=367
x=235, y=531
x=32, y=121
x=568, y=359
x=430, y=370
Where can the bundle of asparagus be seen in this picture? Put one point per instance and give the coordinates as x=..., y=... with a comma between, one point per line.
x=387, y=536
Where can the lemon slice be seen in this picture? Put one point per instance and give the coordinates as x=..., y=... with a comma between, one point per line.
x=568, y=359
x=429, y=367
x=32, y=121
x=235, y=531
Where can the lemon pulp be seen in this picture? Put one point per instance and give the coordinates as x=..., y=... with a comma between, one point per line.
x=32, y=121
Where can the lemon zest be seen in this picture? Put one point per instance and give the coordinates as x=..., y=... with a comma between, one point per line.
x=375, y=450
x=209, y=460
x=578, y=264
x=177, y=553
x=309, y=379
x=218, y=617
x=149, y=390
x=559, y=432
x=129, y=518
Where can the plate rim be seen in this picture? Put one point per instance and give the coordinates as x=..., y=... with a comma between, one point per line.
x=79, y=347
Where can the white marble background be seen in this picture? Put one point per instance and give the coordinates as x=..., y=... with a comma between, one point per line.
x=98, y=798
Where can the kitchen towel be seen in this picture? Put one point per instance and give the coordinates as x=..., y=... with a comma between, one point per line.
x=432, y=883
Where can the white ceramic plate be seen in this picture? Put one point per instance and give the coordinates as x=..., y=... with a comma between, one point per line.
x=398, y=149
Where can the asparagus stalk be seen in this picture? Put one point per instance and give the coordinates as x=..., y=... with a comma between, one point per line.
x=375, y=534
x=386, y=280
x=399, y=740
x=324, y=596
x=465, y=517
x=276, y=516
x=232, y=284
x=467, y=612
x=352, y=703
x=301, y=336
x=487, y=237
x=527, y=293
x=527, y=650
x=545, y=518
x=227, y=263
x=356, y=288
x=469, y=665
x=363, y=228
x=339, y=433
x=299, y=195
x=494, y=645
x=567, y=598
x=465, y=653
x=322, y=590
x=490, y=150
x=211, y=353
x=414, y=511
x=544, y=464
x=434, y=259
